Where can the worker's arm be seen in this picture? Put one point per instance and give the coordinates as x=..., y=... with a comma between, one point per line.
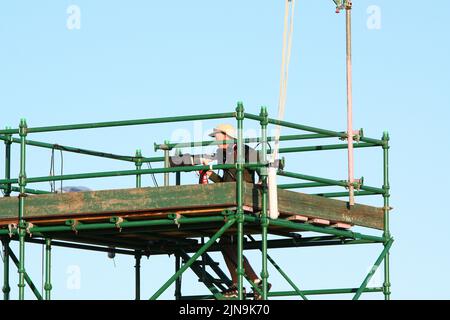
x=214, y=177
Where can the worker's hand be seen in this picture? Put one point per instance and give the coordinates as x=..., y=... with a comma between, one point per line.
x=209, y=173
x=205, y=161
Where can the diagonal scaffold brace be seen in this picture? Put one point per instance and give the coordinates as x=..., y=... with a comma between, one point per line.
x=185, y=266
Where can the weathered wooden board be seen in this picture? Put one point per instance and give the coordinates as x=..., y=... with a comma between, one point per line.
x=297, y=218
x=340, y=225
x=319, y=222
x=194, y=198
x=290, y=202
x=122, y=201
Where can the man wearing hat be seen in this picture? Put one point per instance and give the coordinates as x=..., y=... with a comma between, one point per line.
x=227, y=154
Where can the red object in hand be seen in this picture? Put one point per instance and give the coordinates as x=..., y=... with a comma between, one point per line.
x=203, y=179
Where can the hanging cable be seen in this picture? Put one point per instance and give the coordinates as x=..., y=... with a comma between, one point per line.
x=155, y=183
x=284, y=76
x=286, y=59
x=52, y=170
x=62, y=168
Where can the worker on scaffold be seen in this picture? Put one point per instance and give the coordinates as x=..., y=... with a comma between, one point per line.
x=227, y=154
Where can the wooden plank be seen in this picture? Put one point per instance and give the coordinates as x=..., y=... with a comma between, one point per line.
x=122, y=201
x=318, y=221
x=297, y=218
x=340, y=225
x=197, y=198
x=296, y=203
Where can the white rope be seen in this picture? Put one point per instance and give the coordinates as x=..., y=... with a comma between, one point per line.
x=285, y=61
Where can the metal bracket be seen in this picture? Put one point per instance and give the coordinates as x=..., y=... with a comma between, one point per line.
x=11, y=228
x=343, y=5
x=175, y=217
x=117, y=221
x=9, y=137
x=359, y=183
x=226, y=214
x=164, y=146
x=73, y=224
x=29, y=226
x=357, y=134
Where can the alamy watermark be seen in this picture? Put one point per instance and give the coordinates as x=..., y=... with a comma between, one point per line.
x=73, y=21
x=73, y=281
x=374, y=18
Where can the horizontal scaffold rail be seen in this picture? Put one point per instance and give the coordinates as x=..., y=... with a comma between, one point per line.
x=122, y=123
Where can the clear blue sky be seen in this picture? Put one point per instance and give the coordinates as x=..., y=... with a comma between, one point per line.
x=160, y=58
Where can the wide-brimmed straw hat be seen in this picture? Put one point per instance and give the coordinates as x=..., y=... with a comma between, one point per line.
x=225, y=128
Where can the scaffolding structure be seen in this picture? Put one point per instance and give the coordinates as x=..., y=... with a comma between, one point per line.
x=180, y=227
x=236, y=219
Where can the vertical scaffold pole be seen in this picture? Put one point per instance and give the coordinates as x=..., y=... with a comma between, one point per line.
x=48, y=268
x=8, y=144
x=138, y=255
x=166, y=165
x=138, y=163
x=264, y=220
x=351, y=179
x=137, y=267
x=387, y=232
x=6, y=288
x=178, y=174
x=178, y=281
x=22, y=223
x=240, y=196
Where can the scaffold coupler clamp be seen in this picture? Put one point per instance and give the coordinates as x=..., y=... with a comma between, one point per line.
x=226, y=214
x=339, y=5
x=357, y=134
x=164, y=146
x=176, y=219
x=73, y=224
x=343, y=5
x=118, y=221
x=28, y=227
x=8, y=136
x=12, y=227
x=357, y=183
